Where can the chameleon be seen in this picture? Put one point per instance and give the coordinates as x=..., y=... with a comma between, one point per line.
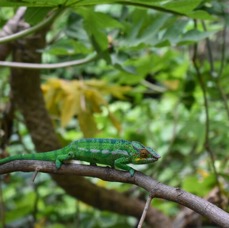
x=112, y=152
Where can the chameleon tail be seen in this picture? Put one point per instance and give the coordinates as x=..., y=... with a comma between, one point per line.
x=46, y=156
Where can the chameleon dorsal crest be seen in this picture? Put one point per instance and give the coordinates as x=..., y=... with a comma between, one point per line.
x=137, y=145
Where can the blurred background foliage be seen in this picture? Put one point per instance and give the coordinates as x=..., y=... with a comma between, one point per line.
x=147, y=84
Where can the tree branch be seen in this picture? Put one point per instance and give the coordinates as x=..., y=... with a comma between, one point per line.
x=38, y=27
x=154, y=187
x=49, y=66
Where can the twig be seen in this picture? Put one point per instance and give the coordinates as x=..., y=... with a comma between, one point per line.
x=2, y=211
x=222, y=63
x=31, y=30
x=35, y=205
x=39, y=66
x=12, y=25
x=146, y=208
x=155, y=88
x=35, y=174
x=207, y=120
x=213, y=74
x=223, y=50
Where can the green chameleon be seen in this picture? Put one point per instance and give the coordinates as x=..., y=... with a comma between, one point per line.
x=113, y=152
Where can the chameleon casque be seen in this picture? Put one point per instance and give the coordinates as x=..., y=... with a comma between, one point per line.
x=113, y=152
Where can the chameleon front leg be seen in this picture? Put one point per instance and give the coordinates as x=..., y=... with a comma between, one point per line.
x=63, y=157
x=121, y=163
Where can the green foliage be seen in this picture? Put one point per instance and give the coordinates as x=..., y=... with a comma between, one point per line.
x=145, y=49
x=34, y=15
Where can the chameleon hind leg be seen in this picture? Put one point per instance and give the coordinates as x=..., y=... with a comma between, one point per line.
x=63, y=157
x=121, y=163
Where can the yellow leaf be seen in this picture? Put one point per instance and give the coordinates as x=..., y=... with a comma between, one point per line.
x=81, y=98
x=115, y=122
x=203, y=173
x=118, y=91
x=87, y=124
x=172, y=84
x=107, y=88
x=67, y=110
x=96, y=83
x=94, y=99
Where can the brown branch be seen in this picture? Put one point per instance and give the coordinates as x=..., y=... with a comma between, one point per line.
x=154, y=187
x=189, y=218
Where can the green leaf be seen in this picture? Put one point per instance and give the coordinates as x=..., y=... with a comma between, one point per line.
x=195, y=36
x=182, y=6
x=174, y=31
x=23, y=207
x=198, y=186
x=200, y=14
x=34, y=15
x=66, y=47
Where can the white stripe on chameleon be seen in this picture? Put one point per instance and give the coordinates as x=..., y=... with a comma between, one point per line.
x=105, y=151
x=94, y=150
x=119, y=152
x=83, y=149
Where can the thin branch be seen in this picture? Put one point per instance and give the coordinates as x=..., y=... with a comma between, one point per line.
x=2, y=206
x=222, y=64
x=38, y=66
x=213, y=74
x=130, y=3
x=155, y=88
x=154, y=187
x=12, y=25
x=223, y=50
x=210, y=56
x=33, y=29
x=207, y=120
x=146, y=208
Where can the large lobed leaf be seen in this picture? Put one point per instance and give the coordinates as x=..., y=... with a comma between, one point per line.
x=65, y=99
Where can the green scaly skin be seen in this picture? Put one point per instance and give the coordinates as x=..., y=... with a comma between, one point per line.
x=113, y=152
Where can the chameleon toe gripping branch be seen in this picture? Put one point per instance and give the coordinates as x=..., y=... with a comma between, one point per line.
x=113, y=152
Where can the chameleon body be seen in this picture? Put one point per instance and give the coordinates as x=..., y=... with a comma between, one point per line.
x=113, y=152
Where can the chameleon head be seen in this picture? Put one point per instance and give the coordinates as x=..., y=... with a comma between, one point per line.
x=143, y=154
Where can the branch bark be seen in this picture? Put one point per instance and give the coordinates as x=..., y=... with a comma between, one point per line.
x=155, y=188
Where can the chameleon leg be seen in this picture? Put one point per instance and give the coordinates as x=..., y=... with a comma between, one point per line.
x=121, y=163
x=63, y=157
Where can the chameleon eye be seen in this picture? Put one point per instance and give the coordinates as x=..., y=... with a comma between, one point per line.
x=144, y=153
